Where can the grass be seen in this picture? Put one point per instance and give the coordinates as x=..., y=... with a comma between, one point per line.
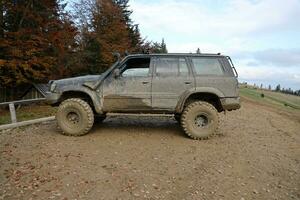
x=25, y=113
x=276, y=99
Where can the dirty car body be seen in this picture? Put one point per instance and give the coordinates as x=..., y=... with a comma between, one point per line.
x=154, y=83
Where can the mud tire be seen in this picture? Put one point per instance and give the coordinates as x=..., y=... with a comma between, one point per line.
x=191, y=125
x=78, y=109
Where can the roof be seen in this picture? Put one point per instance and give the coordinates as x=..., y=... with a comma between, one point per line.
x=178, y=54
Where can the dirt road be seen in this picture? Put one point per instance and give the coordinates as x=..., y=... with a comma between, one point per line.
x=256, y=156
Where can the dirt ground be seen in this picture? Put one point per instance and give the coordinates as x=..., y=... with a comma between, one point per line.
x=256, y=156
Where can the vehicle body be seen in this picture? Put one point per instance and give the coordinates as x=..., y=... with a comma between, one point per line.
x=153, y=83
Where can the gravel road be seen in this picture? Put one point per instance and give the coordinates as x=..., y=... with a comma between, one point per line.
x=255, y=156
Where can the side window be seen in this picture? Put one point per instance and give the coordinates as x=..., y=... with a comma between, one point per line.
x=167, y=67
x=207, y=66
x=183, y=68
x=136, y=67
x=140, y=72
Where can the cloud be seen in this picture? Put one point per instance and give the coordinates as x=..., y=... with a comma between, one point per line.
x=237, y=18
x=262, y=36
x=282, y=58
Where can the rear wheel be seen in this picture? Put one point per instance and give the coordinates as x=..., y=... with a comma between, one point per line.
x=200, y=120
x=75, y=117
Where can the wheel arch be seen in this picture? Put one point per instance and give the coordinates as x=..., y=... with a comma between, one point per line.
x=210, y=95
x=82, y=93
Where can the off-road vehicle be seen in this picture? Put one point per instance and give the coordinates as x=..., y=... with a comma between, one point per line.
x=192, y=87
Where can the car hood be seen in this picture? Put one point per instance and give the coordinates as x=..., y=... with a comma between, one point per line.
x=80, y=80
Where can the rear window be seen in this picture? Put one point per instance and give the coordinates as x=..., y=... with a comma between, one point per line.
x=207, y=66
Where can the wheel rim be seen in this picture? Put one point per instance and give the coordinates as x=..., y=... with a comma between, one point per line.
x=201, y=121
x=73, y=118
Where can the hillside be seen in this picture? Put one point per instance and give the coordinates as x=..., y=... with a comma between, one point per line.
x=285, y=102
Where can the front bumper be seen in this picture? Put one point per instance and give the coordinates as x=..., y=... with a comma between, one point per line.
x=52, y=98
x=231, y=103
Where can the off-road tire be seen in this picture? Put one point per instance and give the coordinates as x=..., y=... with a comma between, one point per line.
x=84, y=121
x=190, y=122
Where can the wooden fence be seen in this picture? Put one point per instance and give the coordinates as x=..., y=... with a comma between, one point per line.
x=13, y=116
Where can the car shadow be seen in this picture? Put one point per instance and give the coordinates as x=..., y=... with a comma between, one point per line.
x=138, y=125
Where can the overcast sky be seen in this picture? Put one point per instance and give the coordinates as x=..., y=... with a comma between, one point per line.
x=261, y=36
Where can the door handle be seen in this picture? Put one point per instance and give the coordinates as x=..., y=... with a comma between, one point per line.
x=145, y=82
x=188, y=82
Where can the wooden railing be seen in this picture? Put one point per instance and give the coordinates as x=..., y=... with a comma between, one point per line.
x=13, y=116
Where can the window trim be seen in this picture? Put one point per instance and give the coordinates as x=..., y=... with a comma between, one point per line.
x=206, y=57
x=122, y=68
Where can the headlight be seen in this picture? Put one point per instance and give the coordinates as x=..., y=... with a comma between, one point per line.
x=52, y=87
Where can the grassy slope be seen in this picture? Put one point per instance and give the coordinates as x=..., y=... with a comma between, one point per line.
x=282, y=101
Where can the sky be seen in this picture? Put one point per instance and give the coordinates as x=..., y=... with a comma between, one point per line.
x=261, y=36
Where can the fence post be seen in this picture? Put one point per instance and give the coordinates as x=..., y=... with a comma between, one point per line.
x=12, y=113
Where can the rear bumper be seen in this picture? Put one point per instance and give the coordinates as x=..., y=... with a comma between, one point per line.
x=232, y=103
x=52, y=98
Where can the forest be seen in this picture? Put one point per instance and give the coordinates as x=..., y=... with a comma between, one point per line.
x=43, y=40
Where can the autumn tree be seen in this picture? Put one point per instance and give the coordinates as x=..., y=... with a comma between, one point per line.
x=36, y=39
x=105, y=28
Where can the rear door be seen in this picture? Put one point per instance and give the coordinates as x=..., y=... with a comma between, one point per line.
x=211, y=72
x=171, y=78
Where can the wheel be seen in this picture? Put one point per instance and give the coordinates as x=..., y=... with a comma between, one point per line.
x=200, y=120
x=75, y=117
x=99, y=118
x=177, y=117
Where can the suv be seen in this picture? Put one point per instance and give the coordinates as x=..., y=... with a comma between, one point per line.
x=192, y=87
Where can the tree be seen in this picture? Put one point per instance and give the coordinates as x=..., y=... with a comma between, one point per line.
x=105, y=28
x=163, y=46
x=37, y=39
x=136, y=41
x=156, y=47
x=278, y=88
x=270, y=88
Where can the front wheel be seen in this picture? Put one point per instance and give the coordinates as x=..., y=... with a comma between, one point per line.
x=75, y=117
x=200, y=120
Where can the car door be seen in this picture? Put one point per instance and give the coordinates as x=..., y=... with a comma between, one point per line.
x=171, y=78
x=131, y=90
x=210, y=73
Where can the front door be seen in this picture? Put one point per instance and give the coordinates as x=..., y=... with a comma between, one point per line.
x=131, y=90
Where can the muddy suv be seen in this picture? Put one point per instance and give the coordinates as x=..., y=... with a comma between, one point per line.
x=192, y=87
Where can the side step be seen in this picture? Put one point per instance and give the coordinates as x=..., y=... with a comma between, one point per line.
x=140, y=115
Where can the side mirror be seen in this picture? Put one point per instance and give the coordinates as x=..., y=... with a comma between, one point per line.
x=116, y=73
